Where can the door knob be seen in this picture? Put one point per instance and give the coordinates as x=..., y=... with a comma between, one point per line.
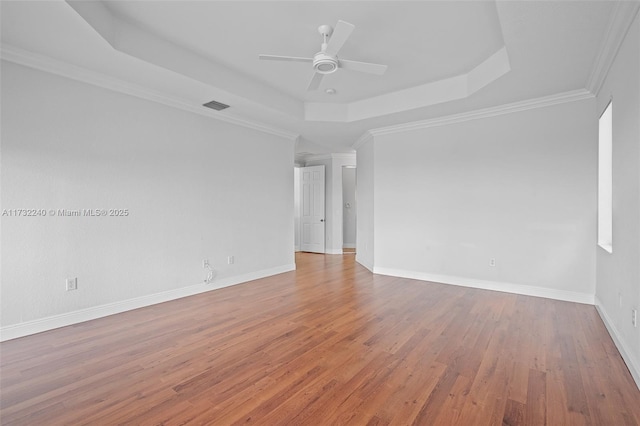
x=321, y=220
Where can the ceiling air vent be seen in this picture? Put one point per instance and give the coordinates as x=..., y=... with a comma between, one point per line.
x=218, y=106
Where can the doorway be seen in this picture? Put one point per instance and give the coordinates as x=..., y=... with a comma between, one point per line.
x=312, y=209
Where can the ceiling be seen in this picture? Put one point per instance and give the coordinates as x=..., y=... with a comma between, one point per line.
x=443, y=57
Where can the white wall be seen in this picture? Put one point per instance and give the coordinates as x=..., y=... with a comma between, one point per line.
x=618, y=274
x=195, y=188
x=349, y=213
x=519, y=187
x=338, y=161
x=365, y=195
x=296, y=207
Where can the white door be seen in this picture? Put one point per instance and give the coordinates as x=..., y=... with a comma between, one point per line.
x=312, y=209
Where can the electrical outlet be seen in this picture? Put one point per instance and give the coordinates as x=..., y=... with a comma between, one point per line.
x=205, y=263
x=634, y=317
x=72, y=284
x=230, y=260
x=492, y=262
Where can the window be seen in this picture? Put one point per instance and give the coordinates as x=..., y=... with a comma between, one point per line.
x=605, y=179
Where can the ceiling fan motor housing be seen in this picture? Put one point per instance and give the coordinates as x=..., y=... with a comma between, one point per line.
x=324, y=64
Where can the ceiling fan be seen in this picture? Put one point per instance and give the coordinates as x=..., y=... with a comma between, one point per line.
x=326, y=60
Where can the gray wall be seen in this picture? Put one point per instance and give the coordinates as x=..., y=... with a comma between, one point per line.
x=349, y=208
x=618, y=273
x=365, y=248
x=296, y=207
x=190, y=187
x=519, y=188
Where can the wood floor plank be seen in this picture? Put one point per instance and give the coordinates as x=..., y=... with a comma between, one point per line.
x=536, y=407
x=329, y=343
x=513, y=413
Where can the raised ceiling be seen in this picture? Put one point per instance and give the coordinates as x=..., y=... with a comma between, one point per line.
x=443, y=57
x=421, y=42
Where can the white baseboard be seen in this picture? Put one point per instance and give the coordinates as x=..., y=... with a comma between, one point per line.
x=296, y=248
x=632, y=362
x=364, y=263
x=347, y=245
x=56, y=321
x=333, y=251
x=527, y=290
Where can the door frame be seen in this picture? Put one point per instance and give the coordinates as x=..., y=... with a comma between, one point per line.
x=313, y=239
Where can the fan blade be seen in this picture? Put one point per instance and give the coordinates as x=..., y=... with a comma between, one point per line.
x=315, y=82
x=284, y=58
x=339, y=37
x=363, y=67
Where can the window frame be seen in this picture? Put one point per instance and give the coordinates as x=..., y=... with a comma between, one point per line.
x=605, y=179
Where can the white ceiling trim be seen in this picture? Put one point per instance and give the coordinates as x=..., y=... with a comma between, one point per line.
x=138, y=43
x=449, y=89
x=333, y=156
x=74, y=72
x=317, y=157
x=127, y=38
x=619, y=23
x=560, y=98
x=343, y=156
x=363, y=139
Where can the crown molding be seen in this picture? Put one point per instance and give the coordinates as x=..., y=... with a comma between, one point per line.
x=301, y=159
x=343, y=156
x=622, y=17
x=296, y=142
x=560, y=98
x=363, y=139
x=436, y=92
x=132, y=40
x=74, y=72
x=318, y=157
x=350, y=156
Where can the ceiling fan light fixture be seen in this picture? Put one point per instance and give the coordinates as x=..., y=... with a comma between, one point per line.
x=325, y=64
x=326, y=60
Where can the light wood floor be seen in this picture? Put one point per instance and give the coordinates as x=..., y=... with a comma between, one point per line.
x=328, y=344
